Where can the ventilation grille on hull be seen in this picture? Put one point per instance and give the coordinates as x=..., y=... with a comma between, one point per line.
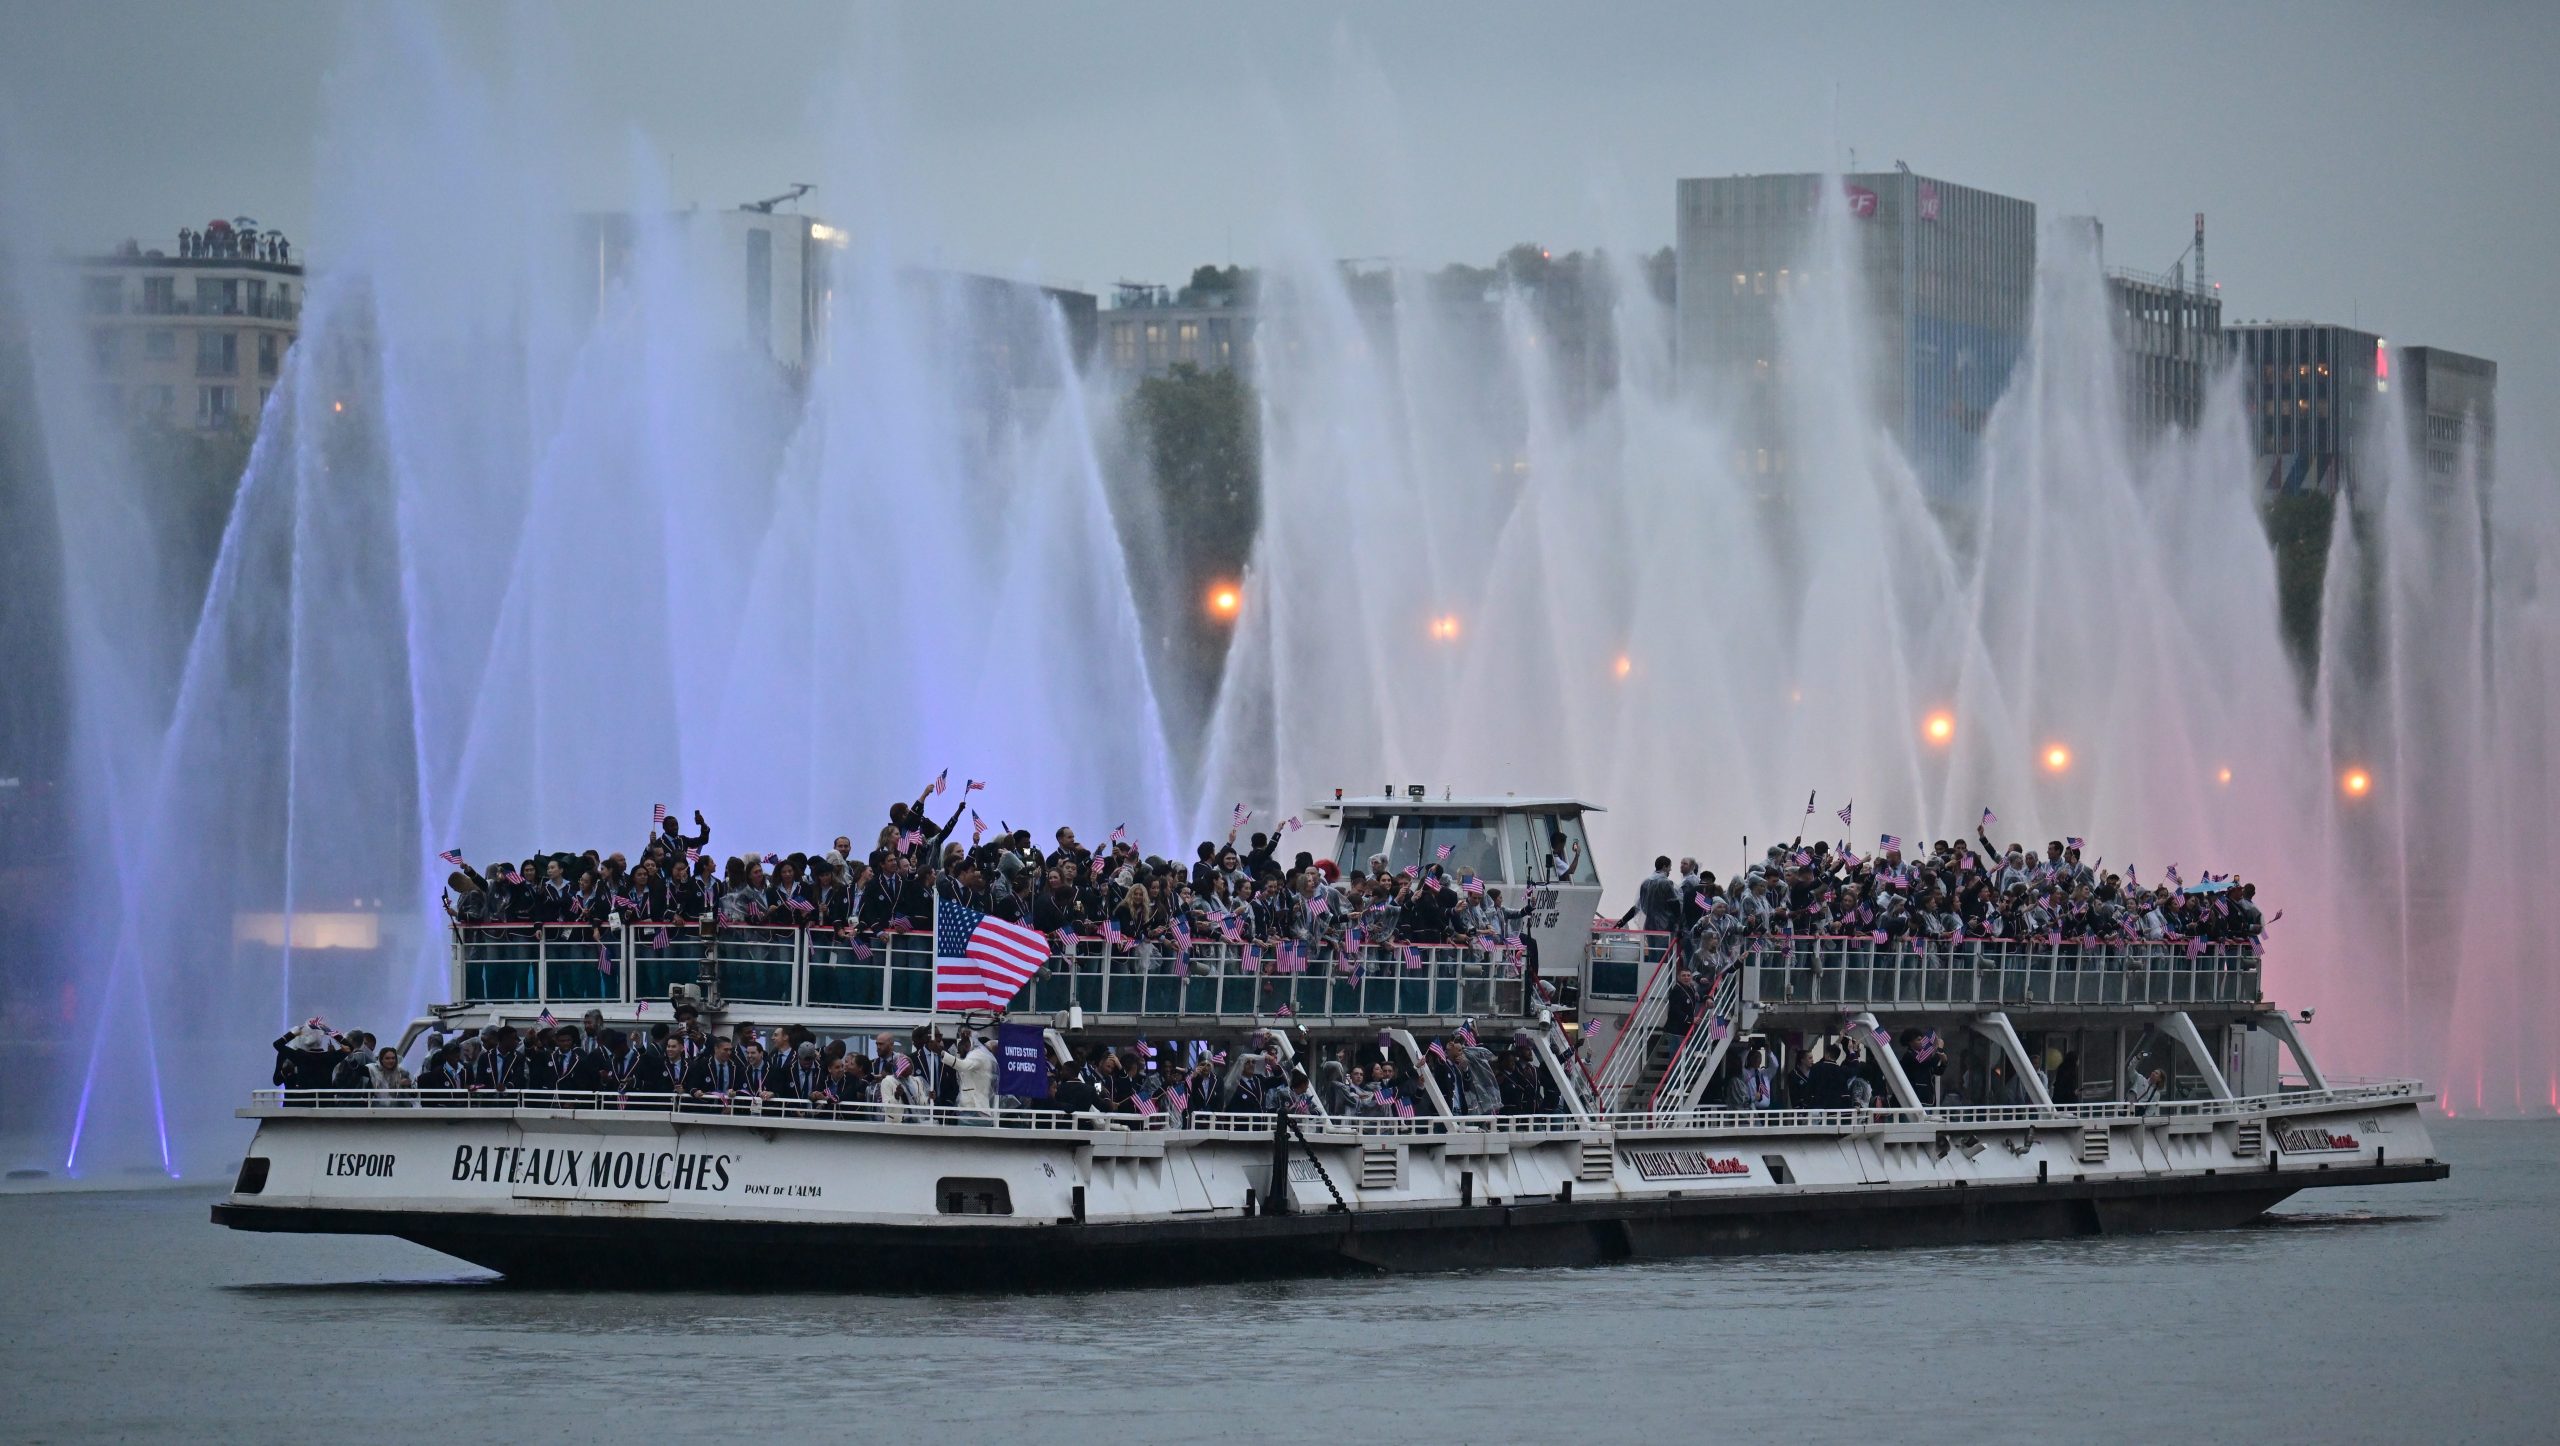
x=2249, y=1142
x=2093, y=1146
x=1599, y=1162
x=1378, y=1167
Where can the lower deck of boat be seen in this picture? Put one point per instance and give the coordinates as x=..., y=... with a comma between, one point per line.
x=657, y=1252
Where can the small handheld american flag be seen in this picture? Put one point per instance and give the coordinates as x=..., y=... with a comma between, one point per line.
x=657, y=814
x=1989, y=818
x=452, y=856
x=1808, y=803
x=1844, y=812
x=1441, y=853
x=941, y=783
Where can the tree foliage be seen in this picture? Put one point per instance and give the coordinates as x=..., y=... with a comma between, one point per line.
x=1200, y=434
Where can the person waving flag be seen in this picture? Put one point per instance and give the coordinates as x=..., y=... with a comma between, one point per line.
x=980, y=961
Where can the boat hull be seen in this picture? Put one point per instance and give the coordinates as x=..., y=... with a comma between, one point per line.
x=637, y=1200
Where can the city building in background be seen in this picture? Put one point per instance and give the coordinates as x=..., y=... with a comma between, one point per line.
x=1149, y=330
x=1946, y=274
x=2312, y=389
x=782, y=263
x=193, y=336
x=2168, y=328
x=2310, y=386
x=2453, y=403
x=785, y=267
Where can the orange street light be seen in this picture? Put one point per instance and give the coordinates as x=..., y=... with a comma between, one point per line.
x=2356, y=782
x=1225, y=601
x=2223, y=778
x=1444, y=628
x=1939, y=727
x=2057, y=759
x=1625, y=665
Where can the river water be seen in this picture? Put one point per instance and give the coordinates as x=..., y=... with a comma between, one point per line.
x=2388, y=1314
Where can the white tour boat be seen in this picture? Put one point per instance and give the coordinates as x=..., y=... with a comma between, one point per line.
x=1634, y=1162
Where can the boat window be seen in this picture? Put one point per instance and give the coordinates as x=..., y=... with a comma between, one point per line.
x=971, y=1195
x=1543, y=827
x=1474, y=842
x=1361, y=837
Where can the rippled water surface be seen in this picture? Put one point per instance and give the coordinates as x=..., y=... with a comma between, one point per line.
x=2400, y=1314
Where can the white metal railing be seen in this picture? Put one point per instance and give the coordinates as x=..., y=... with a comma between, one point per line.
x=738, y=1103
x=1862, y=974
x=578, y=965
x=1696, y=1054
x=1259, y=1122
x=1633, y=1045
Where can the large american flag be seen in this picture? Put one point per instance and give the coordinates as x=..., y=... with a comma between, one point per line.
x=981, y=962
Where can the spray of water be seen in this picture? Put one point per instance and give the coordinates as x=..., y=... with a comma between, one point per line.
x=523, y=548
x=1475, y=575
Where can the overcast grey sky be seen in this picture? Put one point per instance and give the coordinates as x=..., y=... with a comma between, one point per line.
x=2375, y=162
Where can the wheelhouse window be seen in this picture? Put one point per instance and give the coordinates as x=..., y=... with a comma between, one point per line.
x=1359, y=839
x=1474, y=842
x=1543, y=831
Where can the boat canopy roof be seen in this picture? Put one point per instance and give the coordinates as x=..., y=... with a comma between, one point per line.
x=1377, y=803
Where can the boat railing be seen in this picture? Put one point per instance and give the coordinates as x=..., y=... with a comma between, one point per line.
x=1628, y=1049
x=1859, y=973
x=1259, y=1122
x=735, y=1104
x=578, y=965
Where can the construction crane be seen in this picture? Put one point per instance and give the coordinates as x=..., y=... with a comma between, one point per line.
x=798, y=190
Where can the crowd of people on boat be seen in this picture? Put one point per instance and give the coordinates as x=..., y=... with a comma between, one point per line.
x=791, y=1069
x=1942, y=895
x=1242, y=890
x=1846, y=1071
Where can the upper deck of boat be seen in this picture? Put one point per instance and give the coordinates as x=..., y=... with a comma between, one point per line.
x=566, y=969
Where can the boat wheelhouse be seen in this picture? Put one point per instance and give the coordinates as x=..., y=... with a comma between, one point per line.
x=1637, y=1157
